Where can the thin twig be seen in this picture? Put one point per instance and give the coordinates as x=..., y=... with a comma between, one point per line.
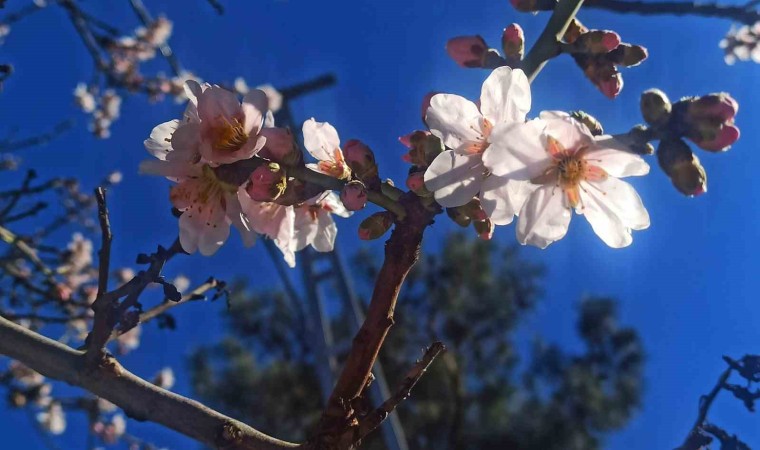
x=547, y=45
x=705, y=402
x=217, y=6
x=404, y=389
x=740, y=13
x=104, y=255
x=40, y=139
x=142, y=13
x=80, y=24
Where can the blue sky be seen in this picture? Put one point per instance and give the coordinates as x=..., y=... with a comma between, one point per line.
x=689, y=284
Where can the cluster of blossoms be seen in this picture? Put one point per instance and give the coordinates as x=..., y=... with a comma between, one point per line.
x=230, y=164
x=742, y=44
x=598, y=53
x=103, y=108
x=128, y=52
x=539, y=170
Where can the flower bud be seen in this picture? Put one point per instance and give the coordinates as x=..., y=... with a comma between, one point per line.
x=458, y=216
x=361, y=160
x=714, y=137
x=423, y=148
x=599, y=41
x=655, y=107
x=375, y=225
x=268, y=182
x=593, y=125
x=629, y=55
x=682, y=166
x=720, y=106
x=467, y=51
x=513, y=43
x=574, y=31
x=416, y=183
x=354, y=195
x=484, y=229
x=280, y=147
x=610, y=85
x=474, y=210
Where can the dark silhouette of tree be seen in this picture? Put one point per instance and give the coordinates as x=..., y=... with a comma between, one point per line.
x=471, y=295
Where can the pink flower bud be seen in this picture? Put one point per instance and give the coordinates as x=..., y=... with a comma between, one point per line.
x=467, y=51
x=267, y=182
x=610, y=40
x=484, y=229
x=280, y=146
x=599, y=41
x=714, y=138
x=416, y=182
x=360, y=159
x=629, y=55
x=513, y=42
x=375, y=225
x=611, y=86
x=720, y=106
x=354, y=195
x=683, y=167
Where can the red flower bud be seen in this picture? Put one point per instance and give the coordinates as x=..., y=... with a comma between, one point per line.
x=375, y=225
x=467, y=51
x=361, y=160
x=267, y=182
x=280, y=146
x=720, y=106
x=354, y=195
x=513, y=43
x=714, y=137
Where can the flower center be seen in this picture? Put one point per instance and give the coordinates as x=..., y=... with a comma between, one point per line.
x=228, y=135
x=336, y=168
x=571, y=170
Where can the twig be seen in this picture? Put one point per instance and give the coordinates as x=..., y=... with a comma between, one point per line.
x=30, y=175
x=217, y=6
x=139, y=398
x=40, y=139
x=142, y=13
x=745, y=14
x=404, y=389
x=196, y=294
x=80, y=24
x=547, y=45
x=307, y=87
x=705, y=402
x=104, y=255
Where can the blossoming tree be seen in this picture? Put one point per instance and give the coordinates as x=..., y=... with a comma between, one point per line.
x=483, y=163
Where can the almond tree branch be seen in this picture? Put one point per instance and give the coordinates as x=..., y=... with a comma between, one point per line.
x=401, y=253
x=547, y=45
x=739, y=13
x=140, y=399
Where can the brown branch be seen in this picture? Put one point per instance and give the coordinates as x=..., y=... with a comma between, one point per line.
x=403, y=391
x=40, y=139
x=401, y=253
x=104, y=254
x=140, y=399
x=705, y=402
x=739, y=13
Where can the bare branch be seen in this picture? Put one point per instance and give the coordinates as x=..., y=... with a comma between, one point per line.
x=40, y=139
x=104, y=255
x=547, y=45
x=140, y=399
x=142, y=13
x=705, y=402
x=739, y=13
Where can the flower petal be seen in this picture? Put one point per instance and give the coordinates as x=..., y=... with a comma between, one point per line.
x=517, y=151
x=255, y=106
x=454, y=119
x=544, y=218
x=572, y=134
x=159, y=142
x=502, y=198
x=320, y=139
x=216, y=102
x=505, y=96
x=613, y=157
x=324, y=240
x=455, y=179
x=613, y=208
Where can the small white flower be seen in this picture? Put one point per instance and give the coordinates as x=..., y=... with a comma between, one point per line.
x=182, y=283
x=164, y=378
x=84, y=98
x=314, y=224
x=274, y=96
x=53, y=420
x=567, y=168
x=322, y=141
x=457, y=175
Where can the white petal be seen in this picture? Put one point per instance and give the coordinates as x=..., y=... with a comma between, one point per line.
x=572, y=134
x=332, y=203
x=505, y=96
x=159, y=142
x=544, y=218
x=502, y=198
x=216, y=102
x=615, y=160
x=324, y=241
x=320, y=139
x=613, y=208
x=189, y=233
x=517, y=151
x=255, y=106
x=239, y=220
x=454, y=119
x=455, y=179
x=213, y=237
x=306, y=228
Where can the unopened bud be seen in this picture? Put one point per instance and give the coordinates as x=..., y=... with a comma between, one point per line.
x=361, y=160
x=280, y=147
x=459, y=217
x=655, y=107
x=354, y=195
x=593, y=125
x=599, y=41
x=17, y=399
x=423, y=148
x=484, y=229
x=682, y=166
x=574, y=31
x=268, y=182
x=474, y=210
x=611, y=85
x=467, y=51
x=416, y=183
x=375, y=225
x=714, y=137
x=720, y=106
x=629, y=55
x=513, y=43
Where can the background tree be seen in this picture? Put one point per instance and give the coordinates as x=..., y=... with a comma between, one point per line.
x=472, y=296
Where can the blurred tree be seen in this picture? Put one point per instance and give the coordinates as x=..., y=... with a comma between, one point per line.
x=471, y=295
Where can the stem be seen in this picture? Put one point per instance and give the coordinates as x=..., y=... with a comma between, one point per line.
x=547, y=45
x=744, y=14
x=706, y=401
x=139, y=399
